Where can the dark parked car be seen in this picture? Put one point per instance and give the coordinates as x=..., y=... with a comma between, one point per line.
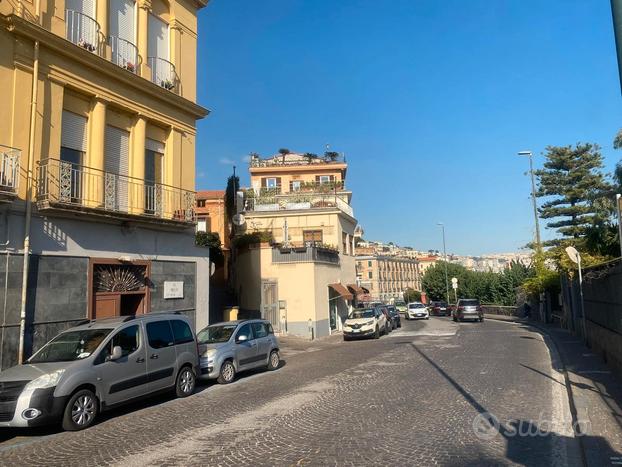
x=439, y=308
x=396, y=320
x=468, y=308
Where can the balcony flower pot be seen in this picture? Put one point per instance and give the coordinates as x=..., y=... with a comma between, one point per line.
x=130, y=67
x=167, y=84
x=86, y=45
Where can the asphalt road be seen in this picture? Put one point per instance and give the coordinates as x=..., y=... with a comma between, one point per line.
x=432, y=393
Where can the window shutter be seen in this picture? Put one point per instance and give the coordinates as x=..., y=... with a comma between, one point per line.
x=158, y=38
x=264, y=182
x=317, y=179
x=155, y=146
x=117, y=150
x=86, y=7
x=122, y=19
x=73, y=133
x=278, y=182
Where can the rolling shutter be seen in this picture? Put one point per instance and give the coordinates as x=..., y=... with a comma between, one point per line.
x=116, y=165
x=155, y=146
x=158, y=38
x=73, y=133
x=86, y=7
x=122, y=19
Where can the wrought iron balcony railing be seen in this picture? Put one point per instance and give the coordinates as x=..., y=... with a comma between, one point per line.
x=82, y=30
x=9, y=169
x=304, y=254
x=124, y=53
x=298, y=201
x=63, y=184
x=297, y=159
x=163, y=73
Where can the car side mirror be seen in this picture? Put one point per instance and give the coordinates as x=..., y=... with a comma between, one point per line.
x=242, y=338
x=117, y=353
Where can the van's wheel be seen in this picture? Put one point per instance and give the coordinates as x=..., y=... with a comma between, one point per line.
x=227, y=373
x=274, y=361
x=186, y=381
x=80, y=411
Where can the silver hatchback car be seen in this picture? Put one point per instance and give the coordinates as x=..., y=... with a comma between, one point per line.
x=98, y=365
x=233, y=346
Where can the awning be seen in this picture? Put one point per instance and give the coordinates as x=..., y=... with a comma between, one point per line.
x=341, y=290
x=356, y=290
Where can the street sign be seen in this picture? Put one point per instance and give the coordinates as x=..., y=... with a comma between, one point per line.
x=454, y=282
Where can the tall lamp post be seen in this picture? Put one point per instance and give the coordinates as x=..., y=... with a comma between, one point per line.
x=533, y=197
x=575, y=257
x=445, y=255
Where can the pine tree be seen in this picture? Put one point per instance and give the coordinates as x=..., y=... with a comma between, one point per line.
x=573, y=185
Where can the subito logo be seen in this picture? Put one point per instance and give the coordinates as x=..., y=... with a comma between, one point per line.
x=485, y=426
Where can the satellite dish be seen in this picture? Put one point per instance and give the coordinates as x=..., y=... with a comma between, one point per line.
x=238, y=219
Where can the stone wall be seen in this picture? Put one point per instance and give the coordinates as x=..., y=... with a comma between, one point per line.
x=174, y=271
x=501, y=310
x=60, y=300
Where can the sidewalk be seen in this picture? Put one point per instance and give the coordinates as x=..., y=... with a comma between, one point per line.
x=292, y=345
x=595, y=394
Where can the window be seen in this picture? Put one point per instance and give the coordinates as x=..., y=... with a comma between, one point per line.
x=72, y=150
x=259, y=330
x=369, y=275
x=201, y=203
x=271, y=183
x=296, y=185
x=245, y=330
x=160, y=334
x=181, y=332
x=154, y=154
x=369, y=264
x=128, y=339
x=344, y=243
x=313, y=236
x=325, y=179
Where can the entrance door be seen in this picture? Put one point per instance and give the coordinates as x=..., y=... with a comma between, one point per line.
x=270, y=304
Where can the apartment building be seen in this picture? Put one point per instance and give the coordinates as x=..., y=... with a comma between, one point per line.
x=387, y=277
x=211, y=214
x=304, y=280
x=97, y=164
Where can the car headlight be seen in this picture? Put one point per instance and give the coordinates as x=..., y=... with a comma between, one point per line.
x=208, y=357
x=368, y=323
x=45, y=381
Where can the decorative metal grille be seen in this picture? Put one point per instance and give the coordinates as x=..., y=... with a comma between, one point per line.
x=157, y=192
x=110, y=195
x=119, y=278
x=189, y=206
x=65, y=181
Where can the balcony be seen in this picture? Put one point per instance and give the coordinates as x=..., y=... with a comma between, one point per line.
x=298, y=201
x=9, y=172
x=163, y=74
x=82, y=30
x=304, y=254
x=124, y=53
x=71, y=188
x=293, y=159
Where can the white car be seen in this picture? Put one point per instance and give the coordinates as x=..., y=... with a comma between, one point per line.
x=366, y=322
x=417, y=310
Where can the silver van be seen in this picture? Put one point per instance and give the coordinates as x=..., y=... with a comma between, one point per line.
x=98, y=365
x=233, y=346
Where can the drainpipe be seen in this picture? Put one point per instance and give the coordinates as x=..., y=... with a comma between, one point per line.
x=29, y=183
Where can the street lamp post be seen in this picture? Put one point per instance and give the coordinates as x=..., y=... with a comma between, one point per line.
x=533, y=197
x=445, y=255
x=575, y=257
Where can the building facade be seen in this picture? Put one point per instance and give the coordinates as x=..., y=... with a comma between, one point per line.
x=211, y=215
x=303, y=279
x=97, y=169
x=387, y=277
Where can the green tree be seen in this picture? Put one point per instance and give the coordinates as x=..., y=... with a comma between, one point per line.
x=574, y=188
x=412, y=295
x=433, y=281
x=211, y=240
x=233, y=185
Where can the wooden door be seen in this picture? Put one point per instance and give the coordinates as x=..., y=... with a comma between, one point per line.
x=107, y=306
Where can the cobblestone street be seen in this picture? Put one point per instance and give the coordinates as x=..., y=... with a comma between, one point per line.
x=409, y=398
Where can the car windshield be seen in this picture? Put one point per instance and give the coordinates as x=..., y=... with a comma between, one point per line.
x=416, y=305
x=356, y=314
x=400, y=304
x=469, y=302
x=71, y=345
x=216, y=333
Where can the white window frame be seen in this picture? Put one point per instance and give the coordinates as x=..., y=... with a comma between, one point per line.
x=324, y=179
x=296, y=185
x=271, y=182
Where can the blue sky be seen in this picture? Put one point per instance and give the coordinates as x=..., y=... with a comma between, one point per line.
x=429, y=100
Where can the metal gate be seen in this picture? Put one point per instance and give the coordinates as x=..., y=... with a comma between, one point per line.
x=270, y=304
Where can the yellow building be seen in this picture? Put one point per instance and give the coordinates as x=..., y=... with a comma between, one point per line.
x=303, y=280
x=387, y=277
x=101, y=145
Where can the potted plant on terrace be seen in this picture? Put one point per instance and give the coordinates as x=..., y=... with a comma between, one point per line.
x=86, y=45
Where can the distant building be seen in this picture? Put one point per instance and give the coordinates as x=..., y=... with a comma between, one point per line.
x=387, y=277
x=211, y=215
x=304, y=281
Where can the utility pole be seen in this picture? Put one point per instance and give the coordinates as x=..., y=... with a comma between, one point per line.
x=533, y=198
x=445, y=255
x=616, y=11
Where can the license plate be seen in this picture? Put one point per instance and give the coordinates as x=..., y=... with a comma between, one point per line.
x=356, y=330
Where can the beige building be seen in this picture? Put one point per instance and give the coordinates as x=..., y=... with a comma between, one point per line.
x=303, y=280
x=97, y=127
x=387, y=277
